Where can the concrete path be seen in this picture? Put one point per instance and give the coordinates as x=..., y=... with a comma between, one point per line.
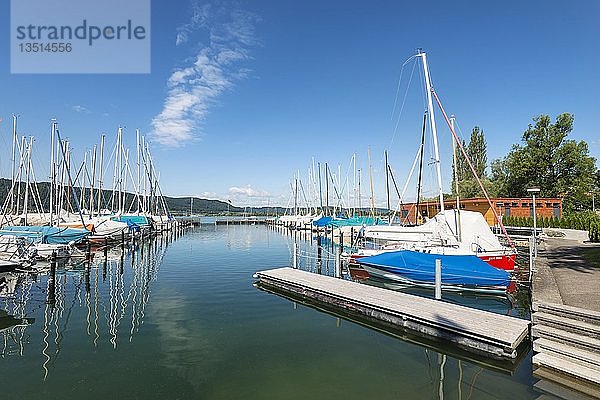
x=564, y=276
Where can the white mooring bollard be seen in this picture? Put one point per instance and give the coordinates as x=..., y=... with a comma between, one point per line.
x=438, y=279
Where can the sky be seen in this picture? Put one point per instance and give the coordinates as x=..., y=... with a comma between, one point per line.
x=243, y=95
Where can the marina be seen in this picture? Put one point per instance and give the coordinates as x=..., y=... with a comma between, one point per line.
x=185, y=308
x=295, y=200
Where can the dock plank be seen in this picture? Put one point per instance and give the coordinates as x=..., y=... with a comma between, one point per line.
x=417, y=313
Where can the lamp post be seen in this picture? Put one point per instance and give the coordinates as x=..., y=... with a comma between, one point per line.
x=533, y=191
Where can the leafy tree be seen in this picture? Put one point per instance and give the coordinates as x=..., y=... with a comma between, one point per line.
x=546, y=158
x=477, y=153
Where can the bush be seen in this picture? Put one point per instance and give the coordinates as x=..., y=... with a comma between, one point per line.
x=585, y=221
x=595, y=231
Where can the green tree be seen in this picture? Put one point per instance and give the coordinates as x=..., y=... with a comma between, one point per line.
x=546, y=158
x=477, y=153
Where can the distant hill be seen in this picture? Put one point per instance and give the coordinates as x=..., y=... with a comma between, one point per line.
x=176, y=205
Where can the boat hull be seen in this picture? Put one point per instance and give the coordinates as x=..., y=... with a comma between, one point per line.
x=461, y=272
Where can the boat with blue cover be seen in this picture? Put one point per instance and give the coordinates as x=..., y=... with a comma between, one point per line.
x=134, y=222
x=47, y=234
x=459, y=272
x=338, y=222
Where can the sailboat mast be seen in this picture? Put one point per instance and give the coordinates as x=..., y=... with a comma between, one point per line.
x=433, y=128
x=100, y=173
x=359, y=199
x=52, y=171
x=92, y=183
x=139, y=178
x=295, y=196
x=14, y=147
x=23, y=144
x=354, y=183
x=28, y=169
x=82, y=181
x=422, y=149
x=371, y=183
x=387, y=185
x=320, y=187
x=326, y=188
x=458, y=224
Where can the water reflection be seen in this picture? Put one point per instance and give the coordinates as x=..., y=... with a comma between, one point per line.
x=15, y=291
x=108, y=295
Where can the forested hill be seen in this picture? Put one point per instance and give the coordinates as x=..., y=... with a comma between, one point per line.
x=176, y=205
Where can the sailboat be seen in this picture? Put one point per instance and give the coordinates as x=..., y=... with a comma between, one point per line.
x=459, y=272
x=461, y=239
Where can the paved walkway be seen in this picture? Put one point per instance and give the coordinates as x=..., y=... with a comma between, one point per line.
x=564, y=276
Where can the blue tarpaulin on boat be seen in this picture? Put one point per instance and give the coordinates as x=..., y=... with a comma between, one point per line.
x=459, y=270
x=139, y=220
x=353, y=221
x=47, y=234
x=323, y=221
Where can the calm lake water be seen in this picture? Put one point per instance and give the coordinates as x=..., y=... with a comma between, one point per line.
x=181, y=319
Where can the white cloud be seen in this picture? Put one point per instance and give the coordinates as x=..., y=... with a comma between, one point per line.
x=80, y=109
x=195, y=86
x=248, y=191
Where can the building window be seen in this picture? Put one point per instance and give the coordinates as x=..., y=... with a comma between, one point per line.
x=556, y=210
x=507, y=210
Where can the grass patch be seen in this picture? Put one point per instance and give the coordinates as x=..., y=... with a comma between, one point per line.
x=592, y=256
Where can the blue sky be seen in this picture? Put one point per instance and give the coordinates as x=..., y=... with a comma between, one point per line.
x=244, y=94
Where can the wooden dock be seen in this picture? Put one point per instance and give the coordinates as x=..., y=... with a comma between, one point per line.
x=481, y=332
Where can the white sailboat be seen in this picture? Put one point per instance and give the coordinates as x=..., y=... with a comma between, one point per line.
x=456, y=231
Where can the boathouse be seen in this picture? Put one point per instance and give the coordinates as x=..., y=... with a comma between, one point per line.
x=505, y=206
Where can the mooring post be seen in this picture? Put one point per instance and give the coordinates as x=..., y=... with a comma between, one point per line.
x=319, y=249
x=351, y=238
x=438, y=279
x=338, y=258
x=105, y=248
x=332, y=241
x=295, y=259
x=122, y=241
x=341, y=250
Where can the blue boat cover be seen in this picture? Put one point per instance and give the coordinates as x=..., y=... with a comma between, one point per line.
x=353, y=221
x=457, y=270
x=139, y=220
x=47, y=234
x=323, y=221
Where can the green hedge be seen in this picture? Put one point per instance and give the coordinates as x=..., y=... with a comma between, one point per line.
x=584, y=221
x=595, y=232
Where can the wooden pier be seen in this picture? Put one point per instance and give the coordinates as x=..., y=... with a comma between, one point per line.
x=477, y=331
